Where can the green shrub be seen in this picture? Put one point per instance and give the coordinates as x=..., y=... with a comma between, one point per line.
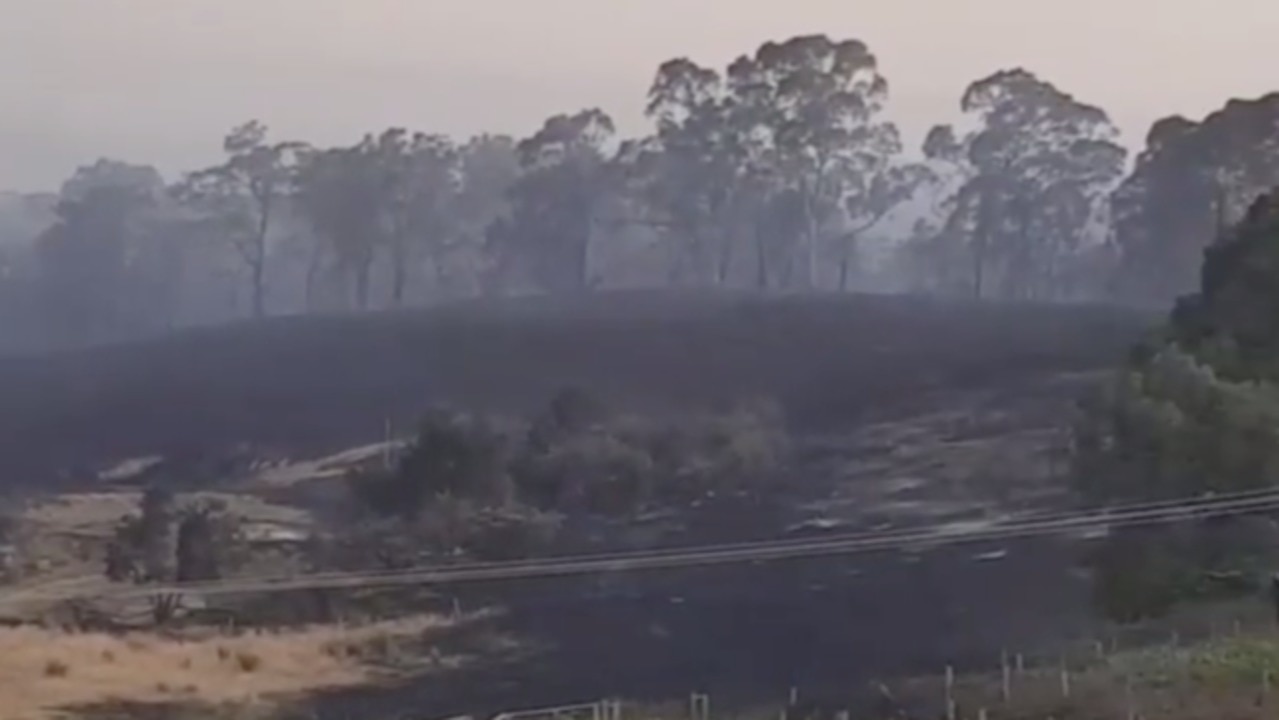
x=1194, y=410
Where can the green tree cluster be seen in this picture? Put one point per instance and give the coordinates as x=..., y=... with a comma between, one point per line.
x=1194, y=411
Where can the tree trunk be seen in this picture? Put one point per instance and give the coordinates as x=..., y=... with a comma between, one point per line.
x=581, y=262
x=259, y=260
x=258, y=279
x=981, y=243
x=979, y=266
x=362, y=271
x=787, y=280
x=846, y=261
x=312, y=271
x=725, y=260
x=761, y=262
x=674, y=263
x=812, y=247
x=399, y=274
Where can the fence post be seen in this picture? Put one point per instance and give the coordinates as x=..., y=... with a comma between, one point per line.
x=1006, y=678
x=793, y=698
x=950, y=692
x=699, y=706
x=1021, y=663
x=1065, y=679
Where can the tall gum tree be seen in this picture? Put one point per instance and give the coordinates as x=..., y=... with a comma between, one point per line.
x=487, y=169
x=565, y=179
x=686, y=171
x=810, y=110
x=1190, y=182
x=340, y=192
x=244, y=195
x=1038, y=166
x=92, y=260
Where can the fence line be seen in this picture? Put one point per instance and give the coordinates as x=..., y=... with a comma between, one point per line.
x=1121, y=671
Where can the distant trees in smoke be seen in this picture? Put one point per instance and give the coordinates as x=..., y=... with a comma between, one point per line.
x=780, y=171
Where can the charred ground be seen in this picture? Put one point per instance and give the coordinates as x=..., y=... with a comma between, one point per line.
x=298, y=385
x=901, y=411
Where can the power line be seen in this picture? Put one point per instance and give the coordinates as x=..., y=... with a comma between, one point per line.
x=694, y=558
x=936, y=536
x=1101, y=515
x=906, y=535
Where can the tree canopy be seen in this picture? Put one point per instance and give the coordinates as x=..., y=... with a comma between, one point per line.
x=1195, y=410
x=780, y=170
x=1190, y=182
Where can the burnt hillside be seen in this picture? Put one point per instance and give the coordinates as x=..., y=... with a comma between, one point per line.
x=300, y=384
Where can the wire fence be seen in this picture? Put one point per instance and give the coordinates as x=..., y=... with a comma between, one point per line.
x=1203, y=667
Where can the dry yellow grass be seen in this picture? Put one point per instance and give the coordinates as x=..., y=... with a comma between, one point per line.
x=65, y=539
x=43, y=672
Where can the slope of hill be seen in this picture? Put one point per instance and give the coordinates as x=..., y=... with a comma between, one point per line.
x=304, y=384
x=903, y=411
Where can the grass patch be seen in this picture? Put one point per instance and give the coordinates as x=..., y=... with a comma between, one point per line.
x=1238, y=662
x=1222, y=679
x=1222, y=664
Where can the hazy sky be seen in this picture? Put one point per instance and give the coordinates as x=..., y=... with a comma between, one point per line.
x=161, y=80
